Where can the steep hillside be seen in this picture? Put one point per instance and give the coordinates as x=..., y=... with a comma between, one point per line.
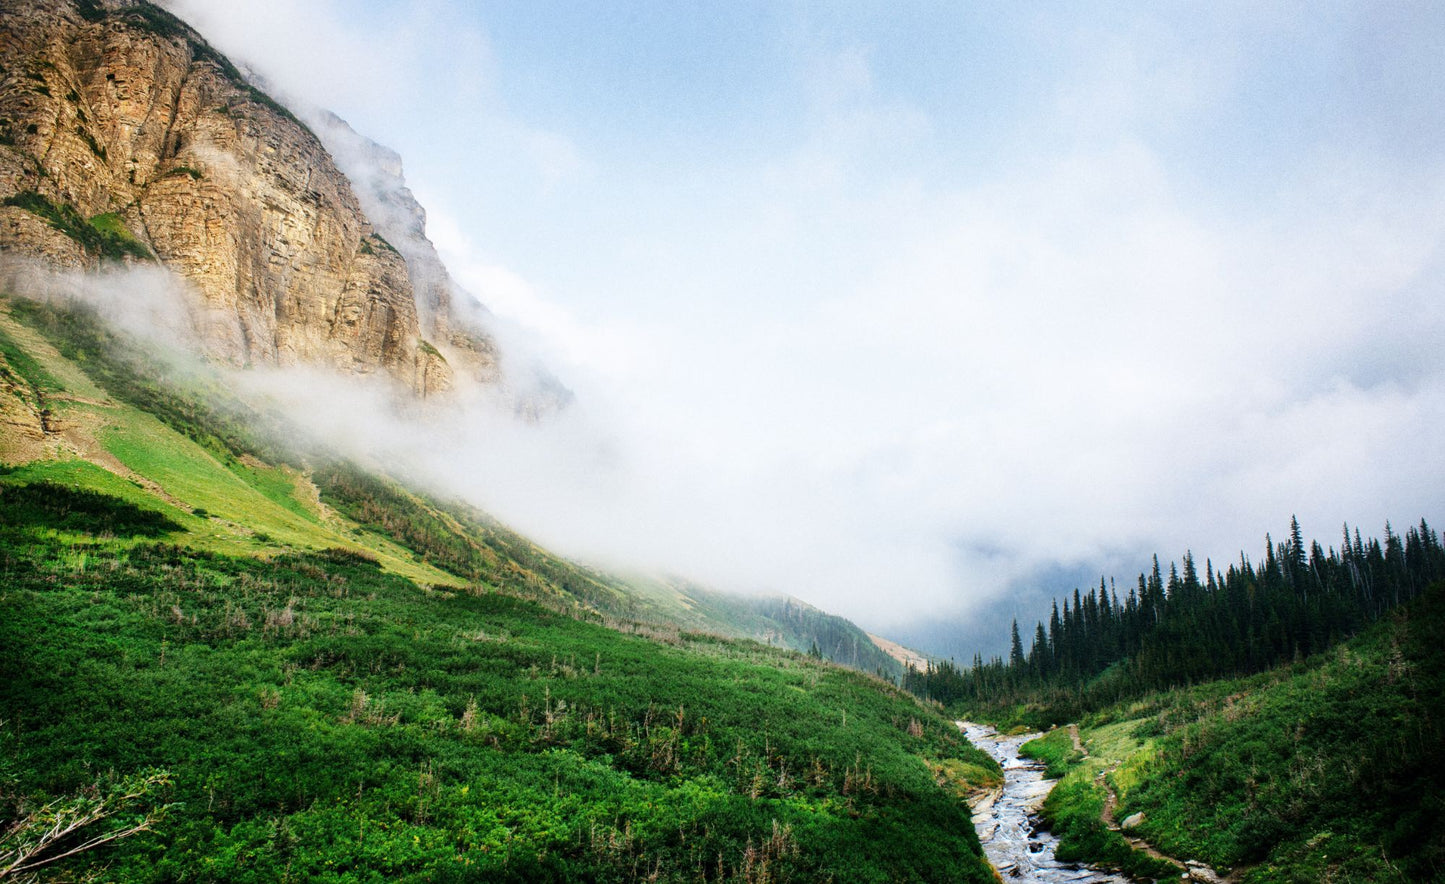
x=474, y=546
x=299, y=669
x=95, y=406
x=771, y=619
x=230, y=654
x=312, y=718
x=125, y=136
x=1325, y=770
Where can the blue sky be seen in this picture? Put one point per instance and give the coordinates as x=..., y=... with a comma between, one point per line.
x=899, y=306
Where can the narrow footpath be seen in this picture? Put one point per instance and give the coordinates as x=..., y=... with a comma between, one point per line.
x=1193, y=871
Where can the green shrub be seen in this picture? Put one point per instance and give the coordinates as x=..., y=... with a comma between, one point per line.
x=1074, y=812
x=1056, y=750
x=323, y=720
x=193, y=173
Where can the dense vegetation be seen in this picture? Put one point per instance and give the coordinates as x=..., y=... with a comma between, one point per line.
x=1186, y=629
x=1316, y=771
x=1234, y=712
x=60, y=507
x=319, y=719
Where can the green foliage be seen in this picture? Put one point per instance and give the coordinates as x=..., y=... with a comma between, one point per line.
x=91, y=10
x=75, y=824
x=82, y=475
x=62, y=217
x=1186, y=629
x=157, y=21
x=380, y=243
x=104, y=235
x=1073, y=812
x=194, y=173
x=1321, y=770
x=1056, y=750
x=323, y=720
x=46, y=504
x=386, y=507
x=22, y=368
x=1331, y=765
x=456, y=538
x=464, y=542
x=119, y=238
x=221, y=424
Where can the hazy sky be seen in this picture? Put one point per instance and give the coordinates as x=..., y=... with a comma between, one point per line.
x=917, y=307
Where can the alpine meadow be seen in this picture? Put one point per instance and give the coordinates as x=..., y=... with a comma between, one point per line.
x=754, y=442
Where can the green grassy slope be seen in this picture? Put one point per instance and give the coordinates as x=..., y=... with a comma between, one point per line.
x=1327, y=770
x=323, y=720
x=776, y=620
x=256, y=487
x=1074, y=810
x=349, y=681
x=168, y=450
x=467, y=542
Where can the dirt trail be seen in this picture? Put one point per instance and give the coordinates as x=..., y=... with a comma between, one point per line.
x=1192, y=871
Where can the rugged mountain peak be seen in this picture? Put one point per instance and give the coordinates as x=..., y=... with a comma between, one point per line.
x=124, y=135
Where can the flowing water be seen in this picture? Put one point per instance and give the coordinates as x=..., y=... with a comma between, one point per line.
x=1009, y=825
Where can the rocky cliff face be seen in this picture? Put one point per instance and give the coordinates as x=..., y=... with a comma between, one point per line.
x=124, y=135
x=449, y=316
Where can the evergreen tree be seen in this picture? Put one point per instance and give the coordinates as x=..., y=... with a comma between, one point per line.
x=1242, y=620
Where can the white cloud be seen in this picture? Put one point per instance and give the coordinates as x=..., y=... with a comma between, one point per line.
x=832, y=369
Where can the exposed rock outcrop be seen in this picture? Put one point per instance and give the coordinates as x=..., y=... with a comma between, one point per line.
x=124, y=134
x=450, y=318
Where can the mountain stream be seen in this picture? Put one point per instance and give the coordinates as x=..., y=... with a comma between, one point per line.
x=1008, y=823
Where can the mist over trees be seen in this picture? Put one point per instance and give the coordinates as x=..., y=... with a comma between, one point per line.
x=1108, y=643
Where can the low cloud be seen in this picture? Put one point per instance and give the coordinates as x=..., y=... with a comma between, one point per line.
x=905, y=366
x=1068, y=368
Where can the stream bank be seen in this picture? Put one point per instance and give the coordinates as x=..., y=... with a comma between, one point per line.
x=1008, y=823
